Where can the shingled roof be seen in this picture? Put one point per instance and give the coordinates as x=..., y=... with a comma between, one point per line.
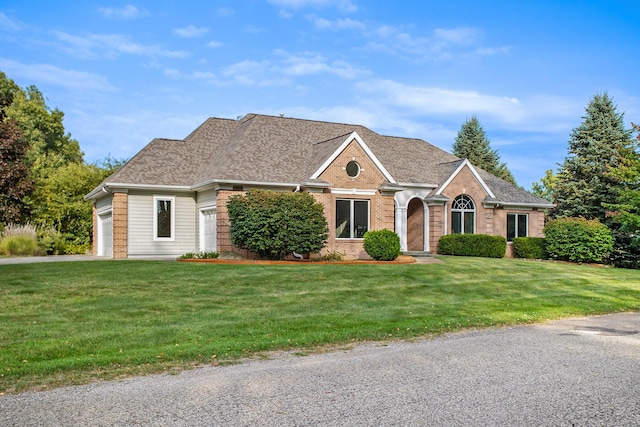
x=269, y=149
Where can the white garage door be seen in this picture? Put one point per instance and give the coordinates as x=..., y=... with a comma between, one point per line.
x=208, y=230
x=105, y=234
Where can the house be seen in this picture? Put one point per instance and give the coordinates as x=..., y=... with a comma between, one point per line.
x=171, y=197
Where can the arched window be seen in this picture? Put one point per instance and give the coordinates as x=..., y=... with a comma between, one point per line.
x=463, y=215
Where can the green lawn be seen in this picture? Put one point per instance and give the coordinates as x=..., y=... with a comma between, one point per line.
x=73, y=322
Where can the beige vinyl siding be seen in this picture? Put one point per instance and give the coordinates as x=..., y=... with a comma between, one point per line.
x=206, y=198
x=104, y=203
x=141, y=232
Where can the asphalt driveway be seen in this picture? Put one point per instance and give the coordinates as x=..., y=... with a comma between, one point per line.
x=579, y=372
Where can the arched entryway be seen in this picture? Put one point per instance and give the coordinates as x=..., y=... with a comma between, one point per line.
x=415, y=225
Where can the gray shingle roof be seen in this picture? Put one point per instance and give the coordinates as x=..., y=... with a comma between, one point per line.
x=270, y=149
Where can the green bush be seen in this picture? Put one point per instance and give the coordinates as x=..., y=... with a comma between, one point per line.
x=382, y=245
x=51, y=241
x=480, y=245
x=578, y=240
x=274, y=225
x=529, y=247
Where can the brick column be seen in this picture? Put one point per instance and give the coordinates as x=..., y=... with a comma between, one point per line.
x=120, y=225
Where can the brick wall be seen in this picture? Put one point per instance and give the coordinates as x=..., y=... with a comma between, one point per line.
x=436, y=226
x=120, y=225
x=382, y=211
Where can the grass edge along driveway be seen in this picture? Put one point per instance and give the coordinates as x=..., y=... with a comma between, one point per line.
x=72, y=323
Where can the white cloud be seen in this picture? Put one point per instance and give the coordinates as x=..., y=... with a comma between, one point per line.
x=338, y=24
x=312, y=63
x=125, y=133
x=50, y=74
x=109, y=46
x=10, y=24
x=461, y=35
x=439, y=101
x=214, y=44
x=126, y=12
x=225, y=12
x=342, y=5
x=191, y=31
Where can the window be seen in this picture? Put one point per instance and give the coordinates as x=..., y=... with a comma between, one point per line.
x=463, y=215
x=352, y=218
x=353, y=169
x=163, y=220
x=517, y=226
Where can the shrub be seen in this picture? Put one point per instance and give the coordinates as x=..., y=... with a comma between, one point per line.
x=626, y=250
x=332, y=256
x=200, y=255
x=274, y=225
x=20, y=240
x=578, y=240
x=529, y=247
x=51, y=241
x=480, y=245
x=382, y=245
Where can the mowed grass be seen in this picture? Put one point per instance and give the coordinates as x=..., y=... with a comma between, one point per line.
x=75, y=322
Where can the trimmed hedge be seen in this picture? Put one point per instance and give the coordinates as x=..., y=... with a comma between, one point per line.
x=382, y=245
x=578, y=240
x=480, y=245
x=529, y=247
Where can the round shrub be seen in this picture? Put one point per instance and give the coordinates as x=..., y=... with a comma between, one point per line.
x=578, y=240
x=274, y=224
x=529, y=247
x=382, y=245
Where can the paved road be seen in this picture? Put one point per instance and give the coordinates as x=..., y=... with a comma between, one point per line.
x=579, y=372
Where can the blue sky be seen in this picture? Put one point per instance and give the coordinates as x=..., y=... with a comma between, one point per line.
x=126, y=72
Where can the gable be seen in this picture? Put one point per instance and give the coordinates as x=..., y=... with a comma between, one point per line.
x=369, y=177
x=357, y=151
x=465, y=176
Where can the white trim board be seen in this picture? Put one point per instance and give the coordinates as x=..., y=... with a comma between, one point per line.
x=354, y=137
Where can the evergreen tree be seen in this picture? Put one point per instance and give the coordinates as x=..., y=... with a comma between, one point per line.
x=472, y=143
x=624, y=216
x=587, y=180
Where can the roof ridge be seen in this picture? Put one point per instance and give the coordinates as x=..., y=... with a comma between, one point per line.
x=308, y=120
x=331, y=139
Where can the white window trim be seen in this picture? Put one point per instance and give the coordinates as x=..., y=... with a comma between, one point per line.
x=172, y=199
x=517, y=214
x=462, y=212
x=351, y=218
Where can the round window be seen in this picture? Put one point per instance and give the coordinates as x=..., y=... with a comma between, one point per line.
x=353, y=169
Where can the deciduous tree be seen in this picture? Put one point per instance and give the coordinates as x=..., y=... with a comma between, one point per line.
x=15, y=180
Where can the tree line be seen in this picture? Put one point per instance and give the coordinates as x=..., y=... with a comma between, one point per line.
x=43, y=174
x=599, y=179
x=44, y=177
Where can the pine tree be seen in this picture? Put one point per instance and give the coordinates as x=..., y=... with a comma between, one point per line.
x=586, y=180
x=472, y=143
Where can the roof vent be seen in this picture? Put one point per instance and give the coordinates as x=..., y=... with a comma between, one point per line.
x=281, y=114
